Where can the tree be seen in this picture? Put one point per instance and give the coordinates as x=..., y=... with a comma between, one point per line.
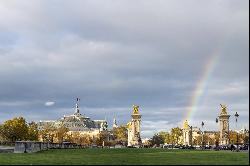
x=1, y=133
x=242, y=137
x=245, y=138
x=103, y=136
x=157, y=139
x=176, y=134
x=198, y=139
x=166, y=137
x=211, y=141
x=73, y=137
x=233, y=137
x=15, y=129
x=217, y=138
x=32, y=132
x=86, y=140
x=47, y=134
x=120, y=134
x=61, y=133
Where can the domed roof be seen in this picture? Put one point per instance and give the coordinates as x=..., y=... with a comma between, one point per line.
x=78, y=119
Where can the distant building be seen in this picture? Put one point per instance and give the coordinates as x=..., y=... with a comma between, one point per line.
x=191, y=133
x=146, y=141
x=244, y=131
x=115, y=123
x=77, y=123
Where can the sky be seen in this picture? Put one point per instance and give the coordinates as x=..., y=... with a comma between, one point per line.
x=176, y=59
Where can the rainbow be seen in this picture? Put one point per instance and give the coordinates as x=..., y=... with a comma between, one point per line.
x=201, y=85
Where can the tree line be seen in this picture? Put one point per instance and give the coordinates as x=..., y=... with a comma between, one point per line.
x=18, y=129
x=175, y=137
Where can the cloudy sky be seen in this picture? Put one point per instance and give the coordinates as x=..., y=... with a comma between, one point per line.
x=116, y=53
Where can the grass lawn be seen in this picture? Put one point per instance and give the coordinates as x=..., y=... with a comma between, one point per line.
x=126, y=156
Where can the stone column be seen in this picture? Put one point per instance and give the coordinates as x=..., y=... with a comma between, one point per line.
x=186, y=133
x=224, y=125
x=134, y=137
x=224, y=129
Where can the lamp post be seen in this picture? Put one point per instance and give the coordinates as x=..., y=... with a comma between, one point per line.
x=202, y=124
x=216, y=142
x=216, y=120
x=236, y=119
x=191, y=135
x=172, y=142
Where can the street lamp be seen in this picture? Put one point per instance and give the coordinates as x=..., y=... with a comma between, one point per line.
x=202, y=124
x=191, y=135
x=172, y=142
x=216, y=142
x=236, y=119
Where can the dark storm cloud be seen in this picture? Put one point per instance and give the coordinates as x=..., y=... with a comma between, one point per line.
x=114, y=54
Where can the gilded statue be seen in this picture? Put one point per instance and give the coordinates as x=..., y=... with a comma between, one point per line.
x=136, y=109
x=129, y=125
x=186, y=126
x=223, y=109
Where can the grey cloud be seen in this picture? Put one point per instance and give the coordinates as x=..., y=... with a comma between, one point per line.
x=114, y=54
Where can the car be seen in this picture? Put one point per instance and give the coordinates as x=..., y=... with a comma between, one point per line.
x=244, y=147
x=167, y=146
x=208, y=147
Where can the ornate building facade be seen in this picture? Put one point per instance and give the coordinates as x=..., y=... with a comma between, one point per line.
x=77, y=123
x=134, y=128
